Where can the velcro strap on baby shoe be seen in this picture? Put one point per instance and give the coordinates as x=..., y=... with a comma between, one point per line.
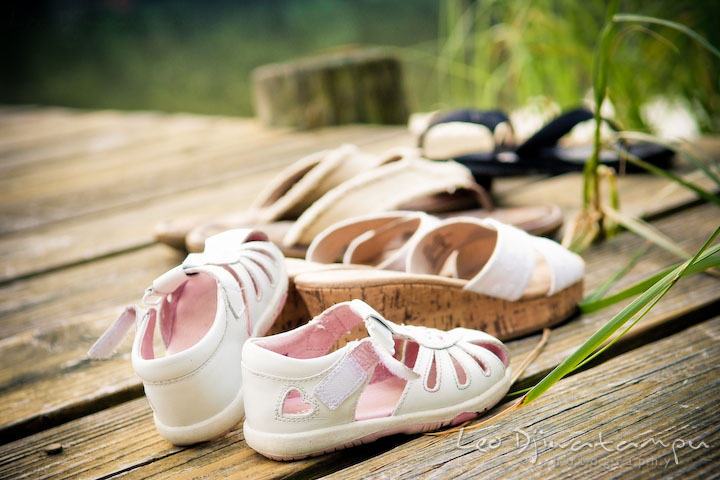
x=382, y=333
x=355, y=367
x=114, y=335
x=347, y=376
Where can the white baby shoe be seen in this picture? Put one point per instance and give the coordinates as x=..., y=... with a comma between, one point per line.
x=205, y=308
x=301, y=400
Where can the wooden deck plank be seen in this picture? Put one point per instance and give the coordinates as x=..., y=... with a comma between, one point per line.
x=117, y=139
x=672, y=384
x=95, y=183
x=69, y=266
x=641, y=195
x=76, y=239
x=16, y=121
x=122, y=441
x=131, y=225
x=78, y=127
x=665, y=391
x=49, y=322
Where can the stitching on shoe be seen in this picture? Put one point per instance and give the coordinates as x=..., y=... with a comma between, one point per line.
x=301, y=417
x=468, y=377
x=438, y=373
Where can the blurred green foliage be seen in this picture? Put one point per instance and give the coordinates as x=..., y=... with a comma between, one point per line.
x=181, y=55
x=502, y=53
x=196, y=56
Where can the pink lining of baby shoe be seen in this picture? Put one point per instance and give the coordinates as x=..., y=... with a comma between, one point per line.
x=380, y=396
x=186, y=316
x=194, y=314
x=317, y=337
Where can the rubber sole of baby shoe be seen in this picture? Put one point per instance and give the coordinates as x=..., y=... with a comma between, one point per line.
x=232, y=414
x=296, y=446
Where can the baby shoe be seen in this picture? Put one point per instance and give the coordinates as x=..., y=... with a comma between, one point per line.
x=206, y=308
x=302, y=401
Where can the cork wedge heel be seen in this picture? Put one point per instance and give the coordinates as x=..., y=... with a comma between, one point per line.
x=442, y=305
x=459, y=272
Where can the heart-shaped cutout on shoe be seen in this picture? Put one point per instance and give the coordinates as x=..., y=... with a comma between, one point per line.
x=295, y=404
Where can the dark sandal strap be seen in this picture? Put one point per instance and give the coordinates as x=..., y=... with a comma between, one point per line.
x=553, y=131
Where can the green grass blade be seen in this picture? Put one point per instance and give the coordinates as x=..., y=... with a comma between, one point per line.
x=707, y=196
x=608, y=284
x=647, y=231
x=627, y=329
x=706, y=262
x=644, y=137
x=598, y=338
x=517, y=393
x=624, y=17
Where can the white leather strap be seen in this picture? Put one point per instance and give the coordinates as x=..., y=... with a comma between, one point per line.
x=381, y=189
x=503, y=255
x=232, y=239
x=347, y=376
x=509, y=269
x=566, y=268
x=381, y=333
x=506, y=271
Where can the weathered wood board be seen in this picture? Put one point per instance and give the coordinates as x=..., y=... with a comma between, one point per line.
x=49, y=322
x=72, y=255
x=579, y=425
x=607, y=421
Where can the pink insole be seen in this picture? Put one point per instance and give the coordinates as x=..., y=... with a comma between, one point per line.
x=194, y=314
x=380, y=398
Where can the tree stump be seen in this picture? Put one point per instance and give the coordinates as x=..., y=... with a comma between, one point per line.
x=360, y=86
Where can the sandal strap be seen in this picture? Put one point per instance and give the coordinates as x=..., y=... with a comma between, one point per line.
x=566, y=268
x=112, y=337
x=549, y=135
x=303, y=182
x=352, y=372
x=352, y=240
x=239, y=260
x=382, y=189
x=506, y=270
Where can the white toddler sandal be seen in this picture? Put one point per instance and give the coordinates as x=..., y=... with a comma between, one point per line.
x=302, y=401
x=205, y=308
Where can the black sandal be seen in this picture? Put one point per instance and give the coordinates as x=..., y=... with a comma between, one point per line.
x=540, y=154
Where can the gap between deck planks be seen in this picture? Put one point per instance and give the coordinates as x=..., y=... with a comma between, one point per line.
x=671, y=385
x=50, y=321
